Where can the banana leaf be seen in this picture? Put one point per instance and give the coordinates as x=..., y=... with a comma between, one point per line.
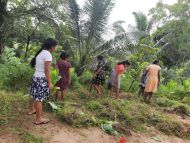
x=54, y=106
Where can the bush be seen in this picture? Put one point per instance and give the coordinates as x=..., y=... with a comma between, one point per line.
x=75, y=82
x=16, y=77
x=186, y=100
x=86, y=77
x=127, y=83
x=186, y=85
x=170, y=87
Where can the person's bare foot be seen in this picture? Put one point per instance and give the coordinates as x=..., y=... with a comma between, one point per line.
x=42, y=121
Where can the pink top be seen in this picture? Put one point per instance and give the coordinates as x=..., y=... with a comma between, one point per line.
x=119, y=69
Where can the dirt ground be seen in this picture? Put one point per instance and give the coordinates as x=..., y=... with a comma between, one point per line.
x=57, y=132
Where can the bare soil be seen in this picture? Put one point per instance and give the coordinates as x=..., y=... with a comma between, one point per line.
x=57, y=132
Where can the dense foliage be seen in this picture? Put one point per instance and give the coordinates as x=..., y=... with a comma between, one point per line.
x=81, y=32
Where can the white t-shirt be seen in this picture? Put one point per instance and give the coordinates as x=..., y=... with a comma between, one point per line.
x=40, y=63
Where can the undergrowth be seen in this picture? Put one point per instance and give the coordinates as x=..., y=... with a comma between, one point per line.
x=82, y=110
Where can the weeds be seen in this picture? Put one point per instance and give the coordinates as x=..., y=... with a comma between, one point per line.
x=29, y=138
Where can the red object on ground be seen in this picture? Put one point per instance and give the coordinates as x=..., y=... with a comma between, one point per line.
x=122, y=140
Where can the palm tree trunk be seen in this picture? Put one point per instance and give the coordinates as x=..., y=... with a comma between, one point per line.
x=3, y=13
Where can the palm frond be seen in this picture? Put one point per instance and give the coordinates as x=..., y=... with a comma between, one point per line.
x=74, y=18
x=97, y=12
x=117, y=27
x=141, y=21
x=150, y=25
x=162, y=40
x=121, y=43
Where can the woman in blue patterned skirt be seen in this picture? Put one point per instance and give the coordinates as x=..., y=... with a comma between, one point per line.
x=41, y=82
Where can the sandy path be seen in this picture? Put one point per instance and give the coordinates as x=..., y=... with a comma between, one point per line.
x=57, y=132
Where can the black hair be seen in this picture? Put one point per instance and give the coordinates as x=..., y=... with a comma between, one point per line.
x=100, y=58
x=155, y=62
x=47, y=45
x=64, y=55
x=126, y=62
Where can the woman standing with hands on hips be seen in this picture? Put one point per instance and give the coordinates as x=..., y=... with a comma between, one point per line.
x=41, y=82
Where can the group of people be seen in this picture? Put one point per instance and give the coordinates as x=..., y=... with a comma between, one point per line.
x=41, y=83
x=150, y=78
x=114, y=77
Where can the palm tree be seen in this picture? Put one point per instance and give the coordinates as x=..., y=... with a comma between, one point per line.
x=142, y=22
x=117, y=27
x=3, y=12
x=88, y=24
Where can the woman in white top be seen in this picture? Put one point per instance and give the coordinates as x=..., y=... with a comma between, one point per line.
x=41, y=82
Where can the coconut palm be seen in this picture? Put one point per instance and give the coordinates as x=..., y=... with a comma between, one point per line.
x=142, y=22
x=88, y=24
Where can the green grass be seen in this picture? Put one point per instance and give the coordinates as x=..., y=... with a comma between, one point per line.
x=11, y=105
x=81, y=110
x=29, y=138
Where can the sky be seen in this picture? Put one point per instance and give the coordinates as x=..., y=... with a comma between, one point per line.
x=124, y=8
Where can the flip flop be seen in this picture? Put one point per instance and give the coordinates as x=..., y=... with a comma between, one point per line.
x=31, y=113
x=42, y=122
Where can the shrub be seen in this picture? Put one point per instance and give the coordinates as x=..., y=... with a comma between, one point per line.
x=75, y=82
x=86, y=77
x=186, y=84
x=170, y=87
x=15, y=77
x=186, y=100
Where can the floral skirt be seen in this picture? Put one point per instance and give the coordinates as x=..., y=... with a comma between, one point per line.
x=99, y=79
x=39, y=89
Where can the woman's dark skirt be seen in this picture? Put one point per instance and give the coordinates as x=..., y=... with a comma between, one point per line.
x=39, y=89
x=99, y=79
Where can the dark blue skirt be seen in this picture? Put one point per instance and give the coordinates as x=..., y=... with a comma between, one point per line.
x=39, y=89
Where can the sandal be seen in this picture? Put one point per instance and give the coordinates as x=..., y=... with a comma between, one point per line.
x=45, y=121
x=31, y=113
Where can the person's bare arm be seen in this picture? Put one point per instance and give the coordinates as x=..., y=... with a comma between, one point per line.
x=47, y=73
